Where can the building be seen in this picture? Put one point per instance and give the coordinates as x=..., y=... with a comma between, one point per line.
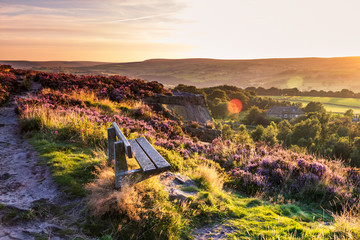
x=284, y=112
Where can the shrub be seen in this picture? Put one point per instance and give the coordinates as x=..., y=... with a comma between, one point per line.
x=210, y=125
x=294, y=175
x=194, y=124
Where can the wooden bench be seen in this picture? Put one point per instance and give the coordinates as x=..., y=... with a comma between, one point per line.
x=149, y=160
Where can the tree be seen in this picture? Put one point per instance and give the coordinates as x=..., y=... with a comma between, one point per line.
x=284, y=128
x=308, y=130
x=220, y=110
x=343, y=131
x=227, y=132
x=315, y=107
x=189, y=89
x=342, y=148
x=254, y=112
x=257, y=133
x=269, y=134
x=243, y=137
x=218, y=93
x=349, y=113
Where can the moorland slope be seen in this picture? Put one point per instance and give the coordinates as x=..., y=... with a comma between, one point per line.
x=303, y=73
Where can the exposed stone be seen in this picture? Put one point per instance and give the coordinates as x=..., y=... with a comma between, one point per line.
x=173, y=184
x=204, y=134
x=190, y=107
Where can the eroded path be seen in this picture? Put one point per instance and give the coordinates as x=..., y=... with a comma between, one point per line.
x=22, y=180
x=28, y=195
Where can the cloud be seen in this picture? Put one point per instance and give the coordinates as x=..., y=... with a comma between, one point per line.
x=39, y=24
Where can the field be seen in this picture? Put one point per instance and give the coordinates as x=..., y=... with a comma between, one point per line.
x=335, y=105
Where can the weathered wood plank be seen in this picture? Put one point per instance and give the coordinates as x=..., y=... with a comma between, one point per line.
x=121, y=137
x=154, y=155
x=120, y=158
x=145, y=163
x=111, y=140
x=121, y=174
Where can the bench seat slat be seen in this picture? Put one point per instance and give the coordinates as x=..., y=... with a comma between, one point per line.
x=146, y=165
x=155, y=157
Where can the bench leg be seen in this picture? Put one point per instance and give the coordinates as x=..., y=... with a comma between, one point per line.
x=120, y=161
x=118, y=181
x=111, y=140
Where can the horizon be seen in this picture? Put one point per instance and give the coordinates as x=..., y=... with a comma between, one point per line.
x=195, y=58
x=132, y=31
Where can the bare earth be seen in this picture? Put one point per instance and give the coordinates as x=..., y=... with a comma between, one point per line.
x=24, y=185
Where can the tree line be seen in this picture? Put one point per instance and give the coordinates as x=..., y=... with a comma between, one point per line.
x=344, y=93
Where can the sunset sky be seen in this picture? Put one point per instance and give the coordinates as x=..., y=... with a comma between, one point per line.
x=134, y=30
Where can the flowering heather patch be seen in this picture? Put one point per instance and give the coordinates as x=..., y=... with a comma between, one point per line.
x=8, y=84
x=251, y=169
x=117, y=88
x=296, y=176
x=76, y=112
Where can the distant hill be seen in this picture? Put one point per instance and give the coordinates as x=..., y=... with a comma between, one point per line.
x=303, y=73
x=50, y=64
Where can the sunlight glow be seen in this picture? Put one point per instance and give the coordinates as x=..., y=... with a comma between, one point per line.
x=295, y=82
x=138, y=30
x=235, y=106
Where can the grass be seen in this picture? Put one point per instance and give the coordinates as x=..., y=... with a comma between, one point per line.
x=71, y=165
x=251, y=218
x=335, y=105
x=264, y=220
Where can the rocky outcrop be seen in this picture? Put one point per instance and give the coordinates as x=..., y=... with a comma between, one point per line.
x=186, y=106
x=189, y=108
x=203, y=133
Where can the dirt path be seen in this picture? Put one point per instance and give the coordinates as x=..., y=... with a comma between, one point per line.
x=24, y=185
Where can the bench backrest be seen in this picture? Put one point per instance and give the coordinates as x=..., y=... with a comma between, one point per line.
x=145, y=154
x=122, y=138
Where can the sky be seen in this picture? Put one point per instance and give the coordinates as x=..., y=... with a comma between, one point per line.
x=136, y=30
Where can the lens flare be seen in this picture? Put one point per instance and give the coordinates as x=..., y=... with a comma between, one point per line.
x=295, y=82
x=235, y=106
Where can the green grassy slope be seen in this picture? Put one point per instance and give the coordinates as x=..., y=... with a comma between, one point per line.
x=335, y=105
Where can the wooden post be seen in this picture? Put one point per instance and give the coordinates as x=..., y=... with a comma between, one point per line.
x=111, y=140
x=120, y=161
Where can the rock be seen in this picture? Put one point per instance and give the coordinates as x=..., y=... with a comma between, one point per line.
x=177, y=194
x=204, y=134
x=173, y=184
x=190, y=107
x=5, y=176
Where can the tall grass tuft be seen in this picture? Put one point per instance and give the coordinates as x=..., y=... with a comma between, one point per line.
x=105, y=199
x=139, y=211
x=347, y=223
x=208, y=177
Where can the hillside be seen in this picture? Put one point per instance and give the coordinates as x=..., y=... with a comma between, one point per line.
x=223, y=189
x=50, y=64
x=304, y=73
